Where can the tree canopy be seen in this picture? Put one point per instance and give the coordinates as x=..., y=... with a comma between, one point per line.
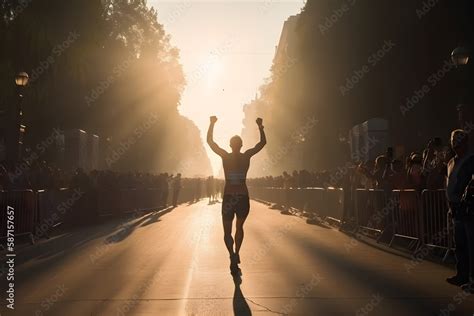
x=101, y=66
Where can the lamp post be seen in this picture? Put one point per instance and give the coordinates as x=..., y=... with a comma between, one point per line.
x=18, y=129
x=21, y=81
x=460, y=57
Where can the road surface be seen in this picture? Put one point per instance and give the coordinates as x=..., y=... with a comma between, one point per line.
x=176, y=264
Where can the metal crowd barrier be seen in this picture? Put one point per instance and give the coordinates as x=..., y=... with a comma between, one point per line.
x=437, y=228
x=187, y=193
x=65, y=205
x=83, y=207
x=334, y=198
x=407, y=216
x=52, y=210
x=109, y=202
x=123, y=201
x=37, y=213
x=128, y=201
x=22, y=204
x=155, y=199
x=402, y=213
x=278, y=196
x=259, y=193
x=327, y=203
x=149, y=199
x=256, y=193
x=316, y=201
x=378, y=214
x=373, y=211
x=297, y=199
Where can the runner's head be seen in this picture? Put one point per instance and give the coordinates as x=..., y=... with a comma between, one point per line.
x=236, y=143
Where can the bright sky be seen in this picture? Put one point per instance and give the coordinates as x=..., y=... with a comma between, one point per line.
x=227, y=48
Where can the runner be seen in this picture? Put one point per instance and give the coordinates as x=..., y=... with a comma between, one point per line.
x=236, y=196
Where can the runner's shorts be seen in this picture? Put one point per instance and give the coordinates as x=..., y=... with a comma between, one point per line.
x=235, y=204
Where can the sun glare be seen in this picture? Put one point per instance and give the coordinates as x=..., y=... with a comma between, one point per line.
x=214, y=71
x=225, y=61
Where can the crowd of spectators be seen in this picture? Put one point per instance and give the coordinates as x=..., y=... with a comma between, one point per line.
x=418, y=170
x=42, y=176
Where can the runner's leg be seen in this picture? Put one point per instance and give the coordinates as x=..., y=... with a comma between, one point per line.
x=229, y=241
x=242, y=213
x=239, y=234
x=227, y=219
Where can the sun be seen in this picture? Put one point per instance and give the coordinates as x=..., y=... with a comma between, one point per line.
x=214, y=71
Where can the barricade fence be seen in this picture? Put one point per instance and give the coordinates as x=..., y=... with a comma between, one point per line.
x=407, y=215
x=420, y=217
x=19, y=213
x=437, y=226
x=373, y=211
x=36, y=214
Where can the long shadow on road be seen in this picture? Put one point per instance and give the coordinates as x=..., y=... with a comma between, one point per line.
x=129, y=228
x=155, y=217
x=239, y=303
x=53, y=253
x=417, y=299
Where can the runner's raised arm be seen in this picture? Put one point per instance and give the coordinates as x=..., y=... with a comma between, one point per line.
x=263, y=140
x=210, y=138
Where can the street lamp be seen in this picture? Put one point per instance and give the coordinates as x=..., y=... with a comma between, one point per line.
x=18, y=129
x=460, y=56
x=21, y=79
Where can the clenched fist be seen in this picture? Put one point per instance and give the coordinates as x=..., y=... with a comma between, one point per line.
x=259, y=122
x=213, y=119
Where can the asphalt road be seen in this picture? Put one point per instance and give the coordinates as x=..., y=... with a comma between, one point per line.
x=176, y=264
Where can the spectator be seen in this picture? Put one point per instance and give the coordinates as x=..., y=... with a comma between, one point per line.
x=460, y=173
x=434, y=167
x=415, y=172
x=377, y=175
x=176, y=189
x=397, y=177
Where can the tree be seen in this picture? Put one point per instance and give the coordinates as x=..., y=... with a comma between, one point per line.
x=102, y=66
